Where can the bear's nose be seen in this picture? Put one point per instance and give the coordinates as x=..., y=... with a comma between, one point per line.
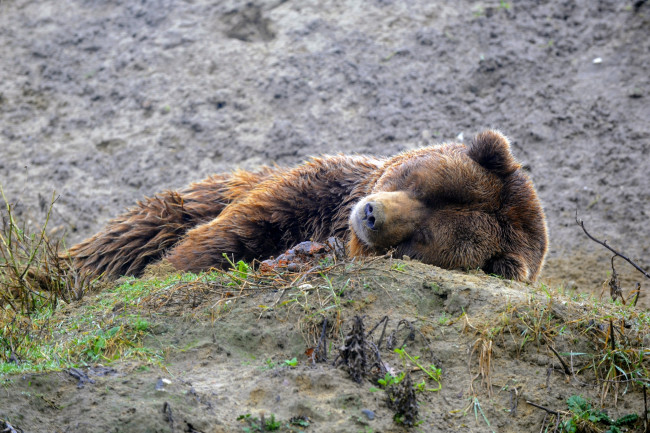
x=370, y=218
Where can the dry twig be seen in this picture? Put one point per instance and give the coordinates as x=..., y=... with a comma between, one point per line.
x=604, y=243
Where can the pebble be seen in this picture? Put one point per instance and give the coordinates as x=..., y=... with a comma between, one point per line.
x=368, y=413
x=160, y=385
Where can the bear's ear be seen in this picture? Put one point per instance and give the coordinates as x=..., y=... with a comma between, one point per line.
x=491, y=150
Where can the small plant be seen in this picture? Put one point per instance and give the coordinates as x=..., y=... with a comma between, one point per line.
x=421, y=386
x=585, y=418
x=260, y=424
x=34, y=278
x=402, y=399
x=269, y=364
x=301, y=421
x=432, y=371
x=239, y=271
x=272, y=424
x=476, y=405
x=333, y=302
x=401, y=391
x=291, y=362
x=141, y=325
x=582, y=413
x=253, y=423
x=326, y=262
x=33, y=272
x=390, y=380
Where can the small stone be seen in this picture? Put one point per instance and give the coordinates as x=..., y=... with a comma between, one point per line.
x=597, y=60
x=368, y=413
x=635, y=93
x=160, y=385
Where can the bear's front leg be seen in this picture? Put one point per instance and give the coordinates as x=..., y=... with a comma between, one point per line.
x=237, y=235
x=510, y=266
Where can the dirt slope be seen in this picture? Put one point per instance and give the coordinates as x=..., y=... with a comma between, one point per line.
x=225, y=357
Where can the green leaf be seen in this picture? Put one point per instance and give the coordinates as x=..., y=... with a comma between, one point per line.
x=291, y=362
x=111, y=332
x=627, y=419
x=301, y=422
x=577, y=404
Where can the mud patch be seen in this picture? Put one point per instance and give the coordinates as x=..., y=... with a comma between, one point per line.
x=248, y=24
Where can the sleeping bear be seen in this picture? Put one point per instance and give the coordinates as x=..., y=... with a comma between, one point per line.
x=451, y=205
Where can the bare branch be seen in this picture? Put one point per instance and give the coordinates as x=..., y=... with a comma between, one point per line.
x=637, y=267
x=551, y=411
x=566, y=368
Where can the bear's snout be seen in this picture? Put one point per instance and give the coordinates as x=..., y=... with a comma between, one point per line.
x=385, y=219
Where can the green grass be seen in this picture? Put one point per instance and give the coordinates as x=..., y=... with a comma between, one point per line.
x=605, y=338
x=110, y=325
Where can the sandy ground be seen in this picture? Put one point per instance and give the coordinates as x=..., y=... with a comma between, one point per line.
x=105, y=102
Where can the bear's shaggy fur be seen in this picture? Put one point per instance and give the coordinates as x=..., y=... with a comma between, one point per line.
x=451, y=205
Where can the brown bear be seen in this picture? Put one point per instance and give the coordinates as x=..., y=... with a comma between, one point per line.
x=452, y=205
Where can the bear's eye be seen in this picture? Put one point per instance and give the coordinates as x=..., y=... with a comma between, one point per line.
x=439, y=198
x=435, y=201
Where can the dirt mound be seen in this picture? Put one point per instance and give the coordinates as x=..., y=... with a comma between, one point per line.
x=229, y=357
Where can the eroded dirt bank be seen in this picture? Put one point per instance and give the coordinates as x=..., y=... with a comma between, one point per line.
x=225, y=355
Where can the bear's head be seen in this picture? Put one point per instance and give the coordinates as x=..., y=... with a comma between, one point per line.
x=455, y=206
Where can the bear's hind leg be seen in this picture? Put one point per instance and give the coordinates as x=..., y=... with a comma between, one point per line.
x=142, y=235
x=132, y=240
